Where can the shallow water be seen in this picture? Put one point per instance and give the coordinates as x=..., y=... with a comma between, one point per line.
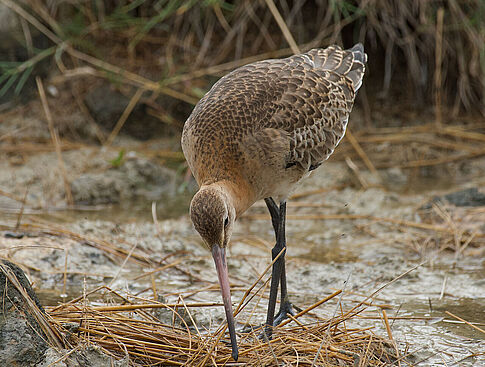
x=168, y=207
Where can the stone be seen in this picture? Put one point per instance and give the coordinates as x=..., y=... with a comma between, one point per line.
x=471, y=197
x=91, y=356
x=22, y=341
x=135, y=177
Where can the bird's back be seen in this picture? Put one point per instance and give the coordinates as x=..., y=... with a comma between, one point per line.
x=274, y=120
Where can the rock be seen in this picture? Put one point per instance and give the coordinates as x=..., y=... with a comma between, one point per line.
x=89, y=357
x=15, y=235
x=136, y=177
x=22, y=340
x=467, y=197
x=95, y=189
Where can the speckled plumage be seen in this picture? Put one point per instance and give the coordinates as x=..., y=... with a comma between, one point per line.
x=265, y=125
x=254, y=135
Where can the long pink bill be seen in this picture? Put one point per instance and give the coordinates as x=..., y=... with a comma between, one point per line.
x=219, y=255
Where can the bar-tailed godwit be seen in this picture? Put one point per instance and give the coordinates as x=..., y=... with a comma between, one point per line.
x=260, y=130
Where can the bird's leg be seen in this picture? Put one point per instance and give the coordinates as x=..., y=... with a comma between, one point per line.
x=276, y=271
x=278, y=216
x=285, y=305
x=274, y=211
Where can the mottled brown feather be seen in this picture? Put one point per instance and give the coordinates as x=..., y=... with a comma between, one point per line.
x=267, y=124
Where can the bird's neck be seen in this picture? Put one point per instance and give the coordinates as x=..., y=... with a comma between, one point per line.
x=239, y=194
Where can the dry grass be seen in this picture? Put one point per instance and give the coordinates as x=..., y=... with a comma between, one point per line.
x=177, y=50
x=413, y=147
x=147, y=340
x=174, y=48
x=153, y=332
x=465, y=233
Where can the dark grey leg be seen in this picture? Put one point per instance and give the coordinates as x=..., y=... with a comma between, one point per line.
x=286, y=307
x=274, y=211
x=278, y=216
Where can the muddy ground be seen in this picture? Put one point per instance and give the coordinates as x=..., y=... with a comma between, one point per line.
x=371, y=239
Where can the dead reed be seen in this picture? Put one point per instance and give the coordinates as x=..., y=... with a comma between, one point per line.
x=126, y=328
x=413, y=147
x=153, y=332
x=464, y=235
x=206, y=40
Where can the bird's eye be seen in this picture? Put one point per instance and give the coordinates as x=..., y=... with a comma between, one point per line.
x=226, y=222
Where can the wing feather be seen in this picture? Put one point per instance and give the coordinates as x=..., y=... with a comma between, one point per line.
x=307, y=98
x=321, y=102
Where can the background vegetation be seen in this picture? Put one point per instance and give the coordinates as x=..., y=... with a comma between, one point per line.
x=420, y=52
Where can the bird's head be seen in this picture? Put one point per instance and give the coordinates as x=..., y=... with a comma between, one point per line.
x=213, y=215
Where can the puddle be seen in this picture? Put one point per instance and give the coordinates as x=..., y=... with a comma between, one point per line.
x=471, y=310
x=330, y=254
x=134, y=211
x=54, y=297
x=135, y=282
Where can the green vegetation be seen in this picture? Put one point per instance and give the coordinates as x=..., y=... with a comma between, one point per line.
x=118, y=161
x=418, y=48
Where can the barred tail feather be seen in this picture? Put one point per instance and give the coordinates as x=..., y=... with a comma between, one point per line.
x=350, y=63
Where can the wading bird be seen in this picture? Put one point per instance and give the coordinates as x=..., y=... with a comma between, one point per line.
x=260, y=130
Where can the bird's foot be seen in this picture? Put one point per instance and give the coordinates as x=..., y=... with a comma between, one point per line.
x=267, y=333
x=247, y=328
x=286, y=309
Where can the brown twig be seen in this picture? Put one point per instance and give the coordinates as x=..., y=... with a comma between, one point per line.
x=126, y=113
x=466, y=322
x=284, y=28
x=309, y=308
x=426, y=226
x=438, y=66
x=55, y=141
x=355, y=144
